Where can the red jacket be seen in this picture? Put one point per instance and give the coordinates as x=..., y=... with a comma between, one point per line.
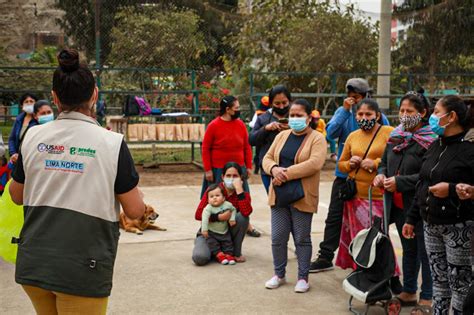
x=226, y=141
x=241, y=202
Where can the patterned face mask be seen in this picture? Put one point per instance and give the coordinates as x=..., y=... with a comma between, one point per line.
x=409, y=122
x=367, y=124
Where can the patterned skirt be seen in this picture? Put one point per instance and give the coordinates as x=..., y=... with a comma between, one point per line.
x=356, y=218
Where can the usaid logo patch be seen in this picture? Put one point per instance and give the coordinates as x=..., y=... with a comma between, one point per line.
x=51, y=148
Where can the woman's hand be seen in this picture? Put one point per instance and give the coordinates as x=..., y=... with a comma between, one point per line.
x=209, y=176
x=224, y=216
x=205, y=234
x=232, y=223
x=348, y=102
x=440, y=190
x=407, y=231
x=280, y=174
x=238, y=185
x=378, y=180
x=14, y=158
x=249, y=173
x=465, y=191
x=272, y=126
x=368, y=165
x=276, y=182
x=354, y=162
x=390, y=184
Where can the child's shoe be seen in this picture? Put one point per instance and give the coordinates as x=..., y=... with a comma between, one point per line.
x=302, y=286
x=222, y=258
x=231, y=259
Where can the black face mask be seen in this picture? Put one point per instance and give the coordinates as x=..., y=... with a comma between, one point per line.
x=281, y=111
x=236, y=115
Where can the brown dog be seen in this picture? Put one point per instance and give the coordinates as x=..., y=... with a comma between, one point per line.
x=141, y=224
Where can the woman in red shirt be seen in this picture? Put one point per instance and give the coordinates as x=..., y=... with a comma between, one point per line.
x=226, y=139
x=234, y=193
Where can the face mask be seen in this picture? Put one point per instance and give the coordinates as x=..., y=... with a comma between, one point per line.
x=367, y=124
x=45, y=118
x=236, y=115
x=229, y=183
x=281, y=111
x=28, y=109
x=434, y=124
x=297, y=124
x=409, y=122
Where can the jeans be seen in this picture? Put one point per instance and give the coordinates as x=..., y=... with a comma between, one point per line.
x=332, y=230
x=266, y=180
x=414, y=252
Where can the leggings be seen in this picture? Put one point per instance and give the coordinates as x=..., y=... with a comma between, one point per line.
x=284, y=221
x=449, y=248
x=50, y=303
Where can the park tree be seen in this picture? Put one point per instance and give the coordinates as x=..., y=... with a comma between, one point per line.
x=308, y=36
x=438, y=39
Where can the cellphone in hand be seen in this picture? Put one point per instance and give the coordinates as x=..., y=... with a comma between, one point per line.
x=283, y=120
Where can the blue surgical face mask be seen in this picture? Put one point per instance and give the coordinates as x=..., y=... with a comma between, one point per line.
x=45, y=118
x=434, y=124
x=297, y=123
x=229, y=182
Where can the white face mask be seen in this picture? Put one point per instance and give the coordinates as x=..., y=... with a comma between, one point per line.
x=29, y=109
x=229, y=183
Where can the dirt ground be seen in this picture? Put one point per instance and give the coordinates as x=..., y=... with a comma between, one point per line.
x=191, y=175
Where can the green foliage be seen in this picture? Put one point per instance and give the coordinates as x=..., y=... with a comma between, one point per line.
x=438, y=39
x=305, y=36
x=162, y=39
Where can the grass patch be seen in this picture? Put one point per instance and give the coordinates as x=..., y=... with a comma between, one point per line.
x=165, y=155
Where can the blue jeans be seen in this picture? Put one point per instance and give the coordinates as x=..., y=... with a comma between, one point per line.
x=266, y=180
x=414, y=256
x=217, y=172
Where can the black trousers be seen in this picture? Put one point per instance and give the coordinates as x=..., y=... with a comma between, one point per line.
x=220, y=243
x=333, y=224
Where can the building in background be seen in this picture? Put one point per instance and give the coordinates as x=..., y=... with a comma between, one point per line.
x=26, y=25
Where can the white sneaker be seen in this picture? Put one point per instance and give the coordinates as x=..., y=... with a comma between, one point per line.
x=274, y=282
x=301, y=286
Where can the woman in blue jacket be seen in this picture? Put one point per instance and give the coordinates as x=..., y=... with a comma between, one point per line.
x=23, y=121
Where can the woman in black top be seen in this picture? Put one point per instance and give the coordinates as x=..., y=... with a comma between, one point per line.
x=447, y=218
x=398, y=174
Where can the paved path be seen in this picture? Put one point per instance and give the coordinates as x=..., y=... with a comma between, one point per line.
x=154, y=273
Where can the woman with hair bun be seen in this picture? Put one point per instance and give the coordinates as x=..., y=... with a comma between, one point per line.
x=68, y=244
x=447, y=219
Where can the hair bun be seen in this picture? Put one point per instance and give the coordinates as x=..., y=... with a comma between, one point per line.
x=421, y=91
x=68, y=60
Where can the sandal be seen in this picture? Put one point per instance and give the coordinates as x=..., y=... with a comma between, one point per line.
x=254, y=233
x=421, y=310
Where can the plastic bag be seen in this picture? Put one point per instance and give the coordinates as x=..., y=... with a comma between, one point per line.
x=11, y=222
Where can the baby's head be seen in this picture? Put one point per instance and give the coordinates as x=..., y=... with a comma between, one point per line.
x=215, y=195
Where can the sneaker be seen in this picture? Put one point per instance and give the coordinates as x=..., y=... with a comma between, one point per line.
x=302, y=286
x=222, y=258
x=274, y=282
x=320, y=264
x=230, y=259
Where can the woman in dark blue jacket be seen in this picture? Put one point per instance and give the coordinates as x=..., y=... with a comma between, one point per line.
x=23, y=121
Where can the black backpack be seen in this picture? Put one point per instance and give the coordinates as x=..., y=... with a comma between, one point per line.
x=131, y=107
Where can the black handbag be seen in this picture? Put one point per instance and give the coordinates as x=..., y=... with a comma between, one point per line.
x=288, y=193
x=349, y=189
